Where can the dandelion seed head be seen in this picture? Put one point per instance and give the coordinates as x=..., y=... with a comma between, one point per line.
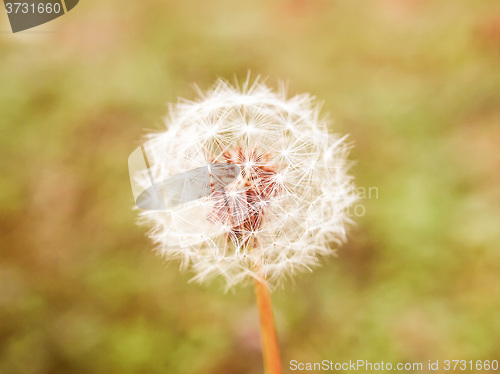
x=286, y=209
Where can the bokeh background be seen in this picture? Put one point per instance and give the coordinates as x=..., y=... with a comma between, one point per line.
x=415, y=82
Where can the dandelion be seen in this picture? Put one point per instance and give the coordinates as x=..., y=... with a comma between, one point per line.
x=285, y=209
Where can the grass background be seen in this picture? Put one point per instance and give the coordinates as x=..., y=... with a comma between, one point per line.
x=415, y=82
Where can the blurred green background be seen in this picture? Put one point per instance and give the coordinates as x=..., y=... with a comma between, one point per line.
x=415, y=82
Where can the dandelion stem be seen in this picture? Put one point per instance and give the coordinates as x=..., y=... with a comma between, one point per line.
x=270, y=347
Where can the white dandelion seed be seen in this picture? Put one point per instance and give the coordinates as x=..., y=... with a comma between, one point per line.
x=286, y=209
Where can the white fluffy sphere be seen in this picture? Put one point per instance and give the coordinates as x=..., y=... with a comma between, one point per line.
x=288, y=206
